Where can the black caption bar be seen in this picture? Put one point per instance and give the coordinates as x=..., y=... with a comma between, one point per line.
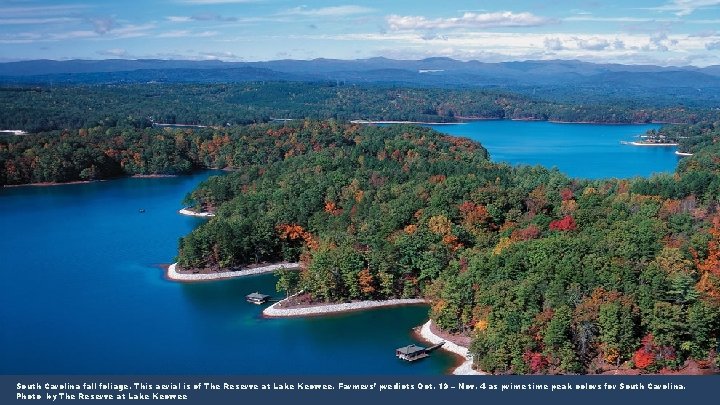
x=351, y=390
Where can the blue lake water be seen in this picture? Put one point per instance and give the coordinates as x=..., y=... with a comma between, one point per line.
x=578, y=150
x=82, y=293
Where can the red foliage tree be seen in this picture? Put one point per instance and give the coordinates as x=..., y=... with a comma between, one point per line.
x=565, y=224
x=566, y=194
x=645, y=355
x=536, y=361
x=531, y=232
x=473, y=213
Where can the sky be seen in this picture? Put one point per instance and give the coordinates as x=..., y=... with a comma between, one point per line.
x=661, y=32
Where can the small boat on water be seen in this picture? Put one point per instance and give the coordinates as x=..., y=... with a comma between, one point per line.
x=141, y=210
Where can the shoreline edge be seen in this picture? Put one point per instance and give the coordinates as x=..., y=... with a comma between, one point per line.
x=463, y=369
x=174, y=275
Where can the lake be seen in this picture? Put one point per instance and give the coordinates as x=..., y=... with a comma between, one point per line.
x=83, y=290
x=579, y=150
x=83, y=293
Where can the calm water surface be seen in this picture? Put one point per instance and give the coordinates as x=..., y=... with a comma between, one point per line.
x=578, y=150
x=82, y=293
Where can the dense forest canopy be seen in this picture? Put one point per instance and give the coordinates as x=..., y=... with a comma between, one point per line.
x=548, y=274
x=42, y=109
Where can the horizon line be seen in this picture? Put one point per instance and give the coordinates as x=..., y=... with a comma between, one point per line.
x=351, y=60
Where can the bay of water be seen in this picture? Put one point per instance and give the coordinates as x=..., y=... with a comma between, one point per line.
x=579, y=150
x=82, y=293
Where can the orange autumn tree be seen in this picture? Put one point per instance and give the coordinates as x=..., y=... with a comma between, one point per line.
x=474, y=216
x=711, y=264
x=441, y=225
x=709, y=268
x=366, y=281
x=332, y=209
x=295, y=232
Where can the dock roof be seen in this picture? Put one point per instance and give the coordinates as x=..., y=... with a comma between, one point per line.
x=410, y=349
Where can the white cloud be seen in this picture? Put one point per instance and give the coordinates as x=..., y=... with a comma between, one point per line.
x=174, y=34
x=468, y=20
x=203, y=2
x=335, y=11
x=553, y=44
x=705, y=34
x=186, y=33
x=77, y=34
x=617, y=19
x=116, y=52
x=660, y=41
x=687, y=7
x=20, y=38
x=593, y=44
x=174, y=18
x=37, y=11
x=583, y=43
x=712, y=46
x=105, y=32
x=103, y=24
x=218, y=56
x=200, y=17
x=131, y=31
x=505, y=46
x=47, y=20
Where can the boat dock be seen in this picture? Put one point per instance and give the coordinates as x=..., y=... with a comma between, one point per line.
x=414, y=352
x=257, y=298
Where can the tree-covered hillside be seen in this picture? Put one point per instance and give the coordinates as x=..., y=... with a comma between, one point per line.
x=548, y=274
x=41, y=109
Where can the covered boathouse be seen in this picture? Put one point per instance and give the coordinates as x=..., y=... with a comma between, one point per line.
x=257, y=298
x=411, y=353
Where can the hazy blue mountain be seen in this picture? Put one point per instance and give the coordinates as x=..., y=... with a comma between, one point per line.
x=557, y=77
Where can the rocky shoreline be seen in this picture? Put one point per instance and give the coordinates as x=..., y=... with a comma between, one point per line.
x=173, y=274
x=276, y=310
x=465, y=368
x=191, y=213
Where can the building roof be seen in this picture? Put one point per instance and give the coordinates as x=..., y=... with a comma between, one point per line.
x=410, y=349
x=257, y=296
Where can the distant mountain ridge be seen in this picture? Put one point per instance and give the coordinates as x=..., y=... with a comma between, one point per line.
x=437, y=71
x=47, y=66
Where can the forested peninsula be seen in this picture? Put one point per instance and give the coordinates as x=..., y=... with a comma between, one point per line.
x=546, y=273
